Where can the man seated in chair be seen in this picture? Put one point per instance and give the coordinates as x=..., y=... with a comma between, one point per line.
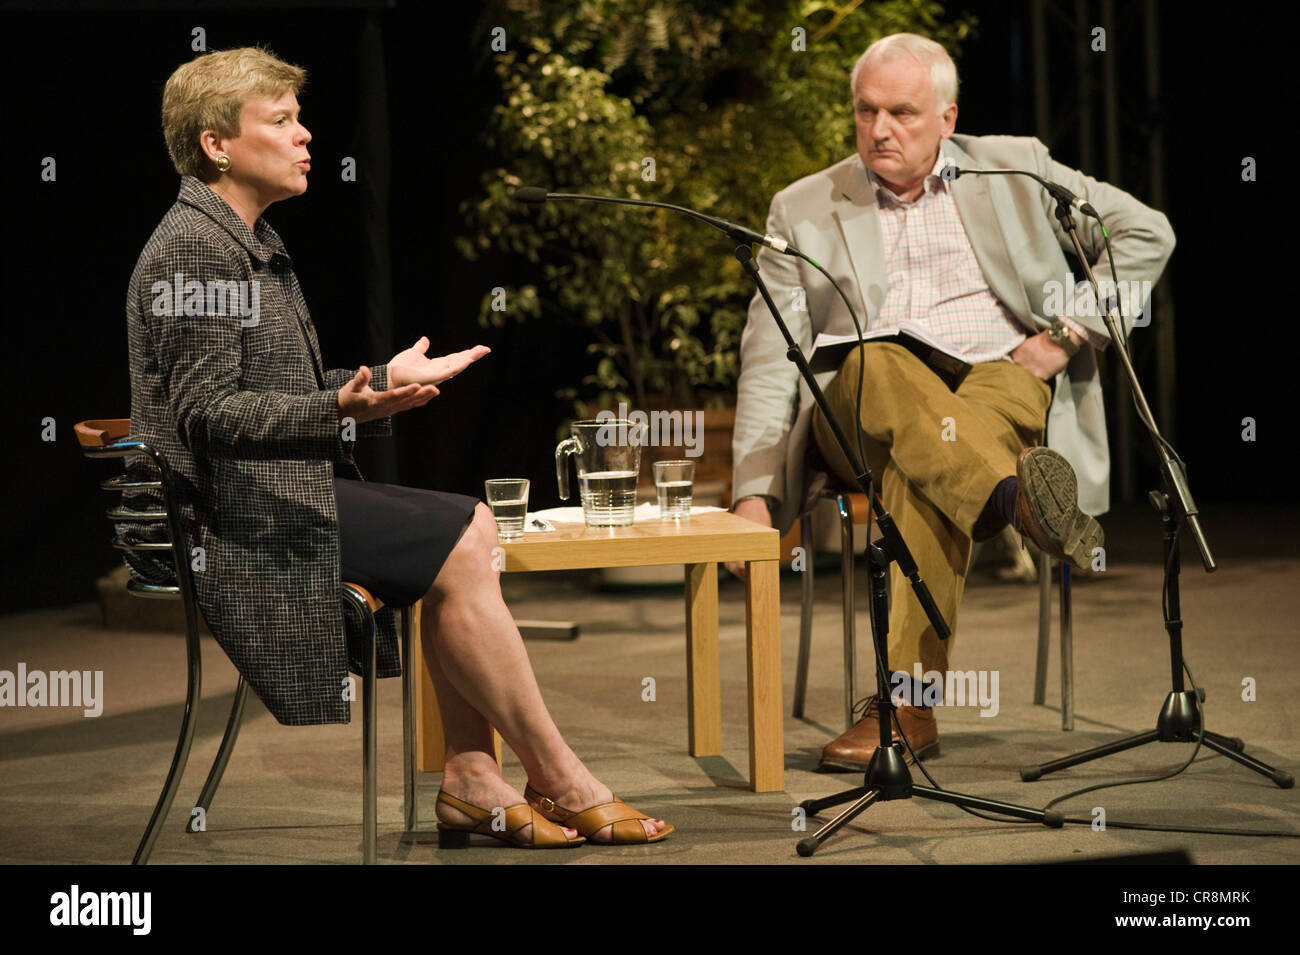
x=978, y=263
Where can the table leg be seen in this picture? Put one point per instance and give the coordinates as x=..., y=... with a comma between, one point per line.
x=703, y=677
x=763, y=633
x=410, y=720
x=430, y=745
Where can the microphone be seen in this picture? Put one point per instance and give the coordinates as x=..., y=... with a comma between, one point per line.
x=534, y=195
x=1057, y=191
x=530, y=194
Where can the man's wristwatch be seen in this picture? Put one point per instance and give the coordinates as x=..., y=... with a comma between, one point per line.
x=1059, y=336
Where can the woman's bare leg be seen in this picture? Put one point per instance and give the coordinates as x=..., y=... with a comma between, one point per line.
x=471, y=771
x=483, y=678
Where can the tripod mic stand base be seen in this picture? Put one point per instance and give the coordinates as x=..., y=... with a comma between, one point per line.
x=1178, y=722
x=888, y=773
x=889, y=778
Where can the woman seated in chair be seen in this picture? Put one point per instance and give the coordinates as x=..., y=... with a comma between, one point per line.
x=227, y=381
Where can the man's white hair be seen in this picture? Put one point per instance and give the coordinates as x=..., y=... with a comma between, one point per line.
x=943, y=71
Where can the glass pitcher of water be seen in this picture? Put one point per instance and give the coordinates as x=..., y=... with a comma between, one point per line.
x=608, y=457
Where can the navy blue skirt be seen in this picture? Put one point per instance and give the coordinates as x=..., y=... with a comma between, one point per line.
x=393, y=540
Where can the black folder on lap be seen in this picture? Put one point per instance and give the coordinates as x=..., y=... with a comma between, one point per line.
x=829, y=351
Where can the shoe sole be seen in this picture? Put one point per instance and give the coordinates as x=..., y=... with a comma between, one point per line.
x=925, y=752
x=451, y=838
x=1051, y=515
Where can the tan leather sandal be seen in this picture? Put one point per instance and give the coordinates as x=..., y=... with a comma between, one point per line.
x=624, y=820
x=546, y=834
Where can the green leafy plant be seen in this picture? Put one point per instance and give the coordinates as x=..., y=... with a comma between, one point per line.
x=712, y=105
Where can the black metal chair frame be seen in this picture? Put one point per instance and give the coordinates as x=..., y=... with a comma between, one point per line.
x=355, y=596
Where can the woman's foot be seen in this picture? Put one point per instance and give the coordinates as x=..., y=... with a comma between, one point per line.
x=475, y=778
x=581, y=791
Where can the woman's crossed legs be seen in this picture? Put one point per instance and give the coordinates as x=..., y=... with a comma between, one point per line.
x=482, y=676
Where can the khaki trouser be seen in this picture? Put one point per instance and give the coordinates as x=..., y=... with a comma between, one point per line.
x=936, y=456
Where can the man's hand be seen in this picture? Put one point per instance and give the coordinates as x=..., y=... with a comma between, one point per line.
x=360, y=402
x=1040, y=357
x=754, y=509
x=412, y=367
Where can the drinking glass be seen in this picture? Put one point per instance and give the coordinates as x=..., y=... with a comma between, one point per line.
x=675, y=482
x=508, y=498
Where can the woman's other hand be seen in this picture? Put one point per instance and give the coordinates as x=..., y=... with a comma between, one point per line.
x=361, y=403
x=412, y=367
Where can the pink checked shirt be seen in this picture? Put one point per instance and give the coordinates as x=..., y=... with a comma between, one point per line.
x=935, y=280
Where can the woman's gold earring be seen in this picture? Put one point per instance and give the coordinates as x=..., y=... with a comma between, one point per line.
x=223, y=163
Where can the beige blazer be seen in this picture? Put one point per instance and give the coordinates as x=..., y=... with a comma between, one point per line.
x=832, y=216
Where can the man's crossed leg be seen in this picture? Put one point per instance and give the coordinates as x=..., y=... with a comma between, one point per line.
x=946, y=467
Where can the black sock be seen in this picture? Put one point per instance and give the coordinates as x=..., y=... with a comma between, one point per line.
x=1003, y=500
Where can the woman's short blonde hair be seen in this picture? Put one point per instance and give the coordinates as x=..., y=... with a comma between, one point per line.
x=209, y=92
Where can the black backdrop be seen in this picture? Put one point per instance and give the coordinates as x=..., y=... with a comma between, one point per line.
x=83, y=86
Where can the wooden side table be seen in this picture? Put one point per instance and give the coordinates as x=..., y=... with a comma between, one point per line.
x=701, y=544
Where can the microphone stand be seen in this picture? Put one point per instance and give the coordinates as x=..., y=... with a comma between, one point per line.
x=1180, y=719
x=887, y=775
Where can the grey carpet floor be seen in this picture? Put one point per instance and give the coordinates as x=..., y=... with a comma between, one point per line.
x=79, y=790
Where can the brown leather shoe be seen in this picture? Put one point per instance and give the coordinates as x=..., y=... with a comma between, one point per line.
x=1047, y=508
x=854, y=748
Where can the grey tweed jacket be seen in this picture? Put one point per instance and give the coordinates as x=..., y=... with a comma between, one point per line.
x=227, y=381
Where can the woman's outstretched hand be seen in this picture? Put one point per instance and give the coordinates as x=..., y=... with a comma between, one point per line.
x=412, y=381
x=412, y=367
x=360, y=402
